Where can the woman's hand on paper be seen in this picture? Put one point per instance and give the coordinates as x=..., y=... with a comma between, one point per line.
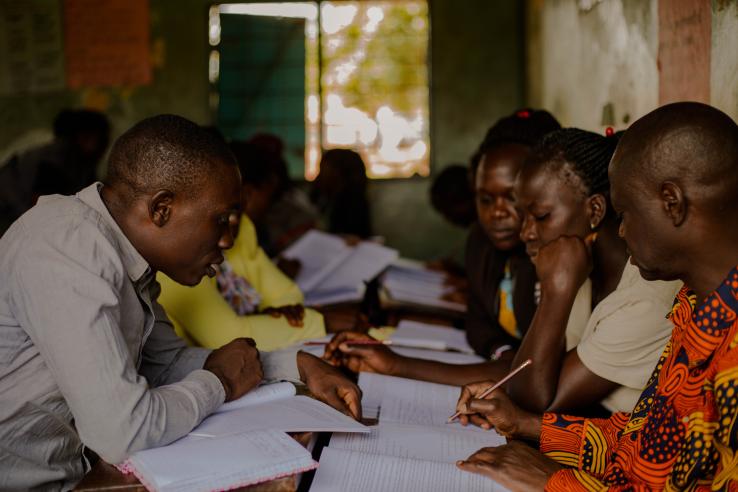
x=360, y=358
x=329, y=385
x=237, y=365
x=515, y=466
x=294, y=314
x=496, y=411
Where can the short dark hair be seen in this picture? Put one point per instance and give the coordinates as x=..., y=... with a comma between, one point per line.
x=452, y=184
x=349, y=165
x=587, y=153
x=165, y=152
x=525, y=126
x=261, y=159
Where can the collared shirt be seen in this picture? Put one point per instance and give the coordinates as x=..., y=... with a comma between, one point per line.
x=683, y=432
x=622, y=338
x=87, y=355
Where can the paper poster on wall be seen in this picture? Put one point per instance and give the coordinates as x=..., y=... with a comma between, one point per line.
x=107, y=43
x=31, y=51
x=685, y=37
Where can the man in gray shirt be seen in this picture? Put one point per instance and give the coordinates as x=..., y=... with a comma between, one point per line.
x=88, y=358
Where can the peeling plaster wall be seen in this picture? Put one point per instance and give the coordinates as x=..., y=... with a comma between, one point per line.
x=596, y=63
x=724, y=68
x=593, y=63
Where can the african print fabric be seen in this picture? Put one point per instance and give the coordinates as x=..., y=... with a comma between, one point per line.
x=683, y=432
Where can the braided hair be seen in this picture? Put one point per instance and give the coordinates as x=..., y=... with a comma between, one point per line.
x=587, y=153
x=524, y=127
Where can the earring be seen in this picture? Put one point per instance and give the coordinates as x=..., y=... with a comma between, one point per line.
x=592, y=226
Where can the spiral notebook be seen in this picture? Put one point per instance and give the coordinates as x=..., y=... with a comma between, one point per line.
x=200, y=465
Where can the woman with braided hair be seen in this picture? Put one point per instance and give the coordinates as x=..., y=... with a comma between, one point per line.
x=600, y=327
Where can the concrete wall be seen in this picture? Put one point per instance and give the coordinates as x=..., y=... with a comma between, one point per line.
x=476, y=76
x=594, y=63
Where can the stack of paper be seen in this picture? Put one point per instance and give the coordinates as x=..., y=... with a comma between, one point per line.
x=333, y=271
x=412, y=283
x=433, y=337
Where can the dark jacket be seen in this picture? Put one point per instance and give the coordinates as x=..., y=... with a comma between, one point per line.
x=485, y=268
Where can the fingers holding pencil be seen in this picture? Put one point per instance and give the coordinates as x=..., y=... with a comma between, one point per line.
x=359, y=352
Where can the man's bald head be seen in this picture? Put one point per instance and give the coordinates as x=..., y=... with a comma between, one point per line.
x=691, y=144
x=674, y=183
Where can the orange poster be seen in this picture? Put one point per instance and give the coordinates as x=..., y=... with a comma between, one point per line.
x=685, y=30
x=106, y=43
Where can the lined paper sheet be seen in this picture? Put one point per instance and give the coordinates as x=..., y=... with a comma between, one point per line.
x=443, y=444
x=232, y=461
x=295, y=414
x=343, y=470
x=407, y=401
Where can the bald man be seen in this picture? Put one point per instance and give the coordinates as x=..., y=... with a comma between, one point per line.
x=674, y=183
x=88, y=358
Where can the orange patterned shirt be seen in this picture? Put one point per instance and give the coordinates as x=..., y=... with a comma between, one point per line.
x=683, y=432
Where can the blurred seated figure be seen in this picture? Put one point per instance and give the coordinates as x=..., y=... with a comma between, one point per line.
x=452, y=195
x=280, y=211
x=340, y=192
x=64, y=166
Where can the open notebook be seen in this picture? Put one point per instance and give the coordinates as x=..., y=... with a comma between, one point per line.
x=411, y=449
x=333, y=271
x=194, y=465
x=276, y=407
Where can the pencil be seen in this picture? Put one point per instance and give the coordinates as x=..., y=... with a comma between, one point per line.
x=353, y=342
x=495, y=386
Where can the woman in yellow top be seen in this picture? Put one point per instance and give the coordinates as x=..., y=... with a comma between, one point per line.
x=249, y=297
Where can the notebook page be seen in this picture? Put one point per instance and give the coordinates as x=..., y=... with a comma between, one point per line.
x=296, y=414
x=261, y=394
x=218, y=464
x=342, y=470
x=408, y=401
x=319, y=253
x=366, y=261
x=443, y=444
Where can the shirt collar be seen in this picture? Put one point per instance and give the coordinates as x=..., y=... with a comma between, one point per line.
x=135, y=264
x=707, y=322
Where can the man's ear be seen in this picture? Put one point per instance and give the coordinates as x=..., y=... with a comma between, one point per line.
x=596, y=209
x=160, y=207
x=674, y=202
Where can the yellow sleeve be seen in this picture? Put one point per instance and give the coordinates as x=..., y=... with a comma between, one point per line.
x=205, y=318
x=249, y=261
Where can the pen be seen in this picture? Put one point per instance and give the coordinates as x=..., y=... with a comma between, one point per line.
x=495, y=386
x=353, y=342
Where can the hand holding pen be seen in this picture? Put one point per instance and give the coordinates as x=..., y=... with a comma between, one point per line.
x=486, y=405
